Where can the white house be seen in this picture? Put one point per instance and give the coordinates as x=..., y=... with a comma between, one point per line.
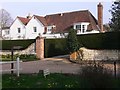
x=18, y=28
x=35, y=27
x=6, y=33
x=56, y=25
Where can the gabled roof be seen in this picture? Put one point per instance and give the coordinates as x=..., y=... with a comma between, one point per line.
x=41, y=19
x=24, y=20
x=66, y=20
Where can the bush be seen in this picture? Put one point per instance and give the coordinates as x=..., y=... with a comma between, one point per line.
x=96, y=76
x=25, y=56
x=72, y=42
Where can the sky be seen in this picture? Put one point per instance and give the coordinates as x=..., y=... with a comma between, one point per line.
x=23, y=8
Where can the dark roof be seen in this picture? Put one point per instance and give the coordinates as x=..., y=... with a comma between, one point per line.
x=41, y=19
x=66, y=20
x=24, y=20
x=5, y=28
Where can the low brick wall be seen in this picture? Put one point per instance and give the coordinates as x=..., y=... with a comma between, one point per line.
x=90, y=54
x=29, y=50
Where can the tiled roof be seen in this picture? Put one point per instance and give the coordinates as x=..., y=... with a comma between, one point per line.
x=66, y=20
x=24, y=20
x=41, y=19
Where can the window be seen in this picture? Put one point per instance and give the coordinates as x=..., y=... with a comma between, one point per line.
x=49, y=28
x=35, y=29
x=7, y=32
x=19, y=30
x=78, y=27
x=83, y=28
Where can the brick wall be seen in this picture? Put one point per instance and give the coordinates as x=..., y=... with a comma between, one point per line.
x=40, y=47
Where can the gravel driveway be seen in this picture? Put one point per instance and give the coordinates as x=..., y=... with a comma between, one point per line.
x=55, y=65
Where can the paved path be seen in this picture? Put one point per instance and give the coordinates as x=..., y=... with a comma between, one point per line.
x=55, y=65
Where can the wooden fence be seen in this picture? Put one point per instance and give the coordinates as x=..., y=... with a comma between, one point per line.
x=17, y=62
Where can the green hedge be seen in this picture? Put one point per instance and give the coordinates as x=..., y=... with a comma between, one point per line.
x=54, y=47
x=8, y=44
x=109, y=40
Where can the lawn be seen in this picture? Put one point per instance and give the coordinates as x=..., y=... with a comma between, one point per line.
x=51, y=81
x=39, y=81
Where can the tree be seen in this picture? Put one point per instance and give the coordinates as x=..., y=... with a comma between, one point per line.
x=72, y=42
x=115, y=20
x=106, y=27
x=5, y=19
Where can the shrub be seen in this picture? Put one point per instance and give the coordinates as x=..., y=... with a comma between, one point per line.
x=25, y=56
x=72, y=42
x=96, y=76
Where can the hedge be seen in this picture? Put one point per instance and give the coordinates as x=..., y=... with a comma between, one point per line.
x=109, y=40
x=8, y=44
x=54, y=47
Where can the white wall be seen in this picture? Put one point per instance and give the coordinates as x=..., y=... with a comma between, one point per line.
x=34, y=22
x=14, y=30
x=5, y=33
x=91, y=54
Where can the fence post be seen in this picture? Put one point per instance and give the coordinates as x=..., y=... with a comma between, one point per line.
x=115, y=69
x=12, y=64
x=18, y=66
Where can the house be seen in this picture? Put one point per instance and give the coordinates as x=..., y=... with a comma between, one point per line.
x=57, y=25
x=35, y=27
x=6, y=33
x=18, y=28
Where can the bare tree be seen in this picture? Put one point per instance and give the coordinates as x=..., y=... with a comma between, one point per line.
x=5, y=19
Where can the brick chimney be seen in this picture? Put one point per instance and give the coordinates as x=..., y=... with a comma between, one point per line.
x=100, y=16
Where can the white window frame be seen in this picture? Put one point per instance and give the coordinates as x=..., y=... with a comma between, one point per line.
x=49, y=29
x=83, y=27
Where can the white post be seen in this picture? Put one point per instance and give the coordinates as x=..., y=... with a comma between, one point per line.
x=18, y=66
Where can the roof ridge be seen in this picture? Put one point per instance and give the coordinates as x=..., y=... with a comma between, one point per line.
x=68, y=12
x=38, y=15
x=21, y=17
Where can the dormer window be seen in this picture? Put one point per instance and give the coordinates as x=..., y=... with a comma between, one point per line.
x=81, y=27
x=50, y=28
x=78, y=27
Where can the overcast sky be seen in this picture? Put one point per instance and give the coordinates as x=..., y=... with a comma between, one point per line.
x=46, y=8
